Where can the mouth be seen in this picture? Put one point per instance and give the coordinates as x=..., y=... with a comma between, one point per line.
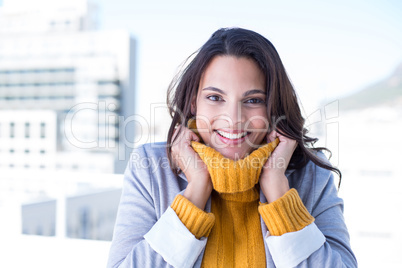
x=233, y=137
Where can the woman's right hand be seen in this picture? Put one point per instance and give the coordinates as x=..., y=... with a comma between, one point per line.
x=199, y=186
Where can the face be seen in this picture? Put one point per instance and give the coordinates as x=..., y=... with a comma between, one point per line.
x=231, y=112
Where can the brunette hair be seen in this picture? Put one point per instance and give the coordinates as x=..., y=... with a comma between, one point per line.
x=283, y=111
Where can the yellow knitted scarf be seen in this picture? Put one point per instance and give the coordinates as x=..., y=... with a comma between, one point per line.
x=229, y=176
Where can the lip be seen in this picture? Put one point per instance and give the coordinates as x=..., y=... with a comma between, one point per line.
x=232, y=141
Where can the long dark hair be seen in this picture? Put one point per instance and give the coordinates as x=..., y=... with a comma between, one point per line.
x=283, y=111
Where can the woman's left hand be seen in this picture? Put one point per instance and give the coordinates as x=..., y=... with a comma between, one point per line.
x=273, y=181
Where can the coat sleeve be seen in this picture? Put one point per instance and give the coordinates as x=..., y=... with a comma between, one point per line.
x=325, y=242
x=140, y=238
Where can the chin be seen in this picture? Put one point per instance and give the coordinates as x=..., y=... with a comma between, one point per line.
x=235, y=153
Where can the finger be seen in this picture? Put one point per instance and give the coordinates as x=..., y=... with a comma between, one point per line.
x=188, y=136
x=193, y=136
x=182, y=135
x=272, y=136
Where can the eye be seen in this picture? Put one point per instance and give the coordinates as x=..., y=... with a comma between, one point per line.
x=214, y=98
x=255, y=101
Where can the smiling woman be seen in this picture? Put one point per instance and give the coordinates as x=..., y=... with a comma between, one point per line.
x=244, y=187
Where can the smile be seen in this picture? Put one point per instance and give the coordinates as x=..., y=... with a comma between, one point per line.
x=232, y=136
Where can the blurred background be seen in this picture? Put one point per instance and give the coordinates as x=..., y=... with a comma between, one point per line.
x=82, y=82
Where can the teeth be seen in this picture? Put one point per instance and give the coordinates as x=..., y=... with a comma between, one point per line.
x=231, y=135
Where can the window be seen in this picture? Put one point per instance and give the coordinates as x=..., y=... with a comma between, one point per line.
x=12, y=130
x=42, y=130
x=27, y=130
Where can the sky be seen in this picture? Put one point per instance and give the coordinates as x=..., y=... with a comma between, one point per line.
x=329, y=48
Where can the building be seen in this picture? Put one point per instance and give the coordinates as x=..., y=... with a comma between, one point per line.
x=57, y=69
x=66, y=104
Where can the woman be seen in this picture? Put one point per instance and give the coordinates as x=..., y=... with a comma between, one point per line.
x=236, y=184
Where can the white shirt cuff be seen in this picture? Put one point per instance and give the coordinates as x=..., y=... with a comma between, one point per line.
x=290, y=249
x=173, y=241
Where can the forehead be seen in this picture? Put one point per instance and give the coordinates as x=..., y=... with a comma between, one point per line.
x=230, y=72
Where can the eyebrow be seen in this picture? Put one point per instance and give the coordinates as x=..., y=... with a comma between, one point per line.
x=254, y=91
x=248, y=93
x=215, y=89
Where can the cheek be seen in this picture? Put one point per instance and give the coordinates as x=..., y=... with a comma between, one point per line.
x=204, y=133
x=203, y=126
x=257, y=120
x=204, y=119
x=258, y=124
x=262, y=124
x=205, y=115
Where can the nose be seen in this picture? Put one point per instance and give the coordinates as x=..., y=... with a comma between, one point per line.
x=235, y=115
